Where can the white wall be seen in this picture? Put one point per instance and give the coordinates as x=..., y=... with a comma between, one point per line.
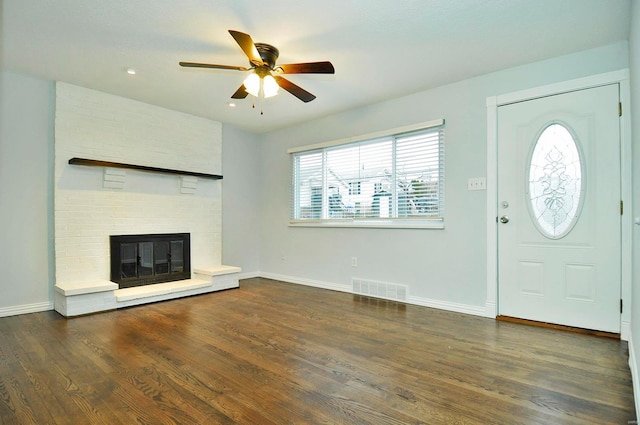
x=634, y=49
x=26, y=161
x=241, y=169
x=441, y=267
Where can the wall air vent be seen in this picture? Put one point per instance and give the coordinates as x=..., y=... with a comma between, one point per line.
x=387, y=291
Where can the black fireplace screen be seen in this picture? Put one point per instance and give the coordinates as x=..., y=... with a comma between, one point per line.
x=138, y=260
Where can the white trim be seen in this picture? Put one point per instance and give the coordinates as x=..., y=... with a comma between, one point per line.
x=635, y=380
x=592, y=81
x=382, y=133
x=620, y=77
x=372, y=223
x=625, y=330
x=626, y=180
x=491, y=310
x=424, y=302
x=448, y=306
x=26, y=308
x=492, y=206
x=248, y=275
x=307, y=282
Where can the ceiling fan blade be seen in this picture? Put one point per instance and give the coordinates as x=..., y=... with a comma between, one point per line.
x=308, y=68
x=241, y=93
x=295, y=90
x=248, y=47
x=211, y=65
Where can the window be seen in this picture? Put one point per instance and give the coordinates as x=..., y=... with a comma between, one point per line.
x=394, y=180
x=354, y=188
x=555, y=185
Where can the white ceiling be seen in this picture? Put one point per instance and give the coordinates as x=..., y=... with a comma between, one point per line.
x=381, y=49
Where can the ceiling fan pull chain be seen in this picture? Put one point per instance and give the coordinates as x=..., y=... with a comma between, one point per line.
x=261, y=100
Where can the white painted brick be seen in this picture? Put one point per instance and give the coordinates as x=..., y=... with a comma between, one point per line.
x=101, y=126
x=108, y=184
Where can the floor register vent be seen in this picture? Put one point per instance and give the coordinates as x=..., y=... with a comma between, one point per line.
x=388, y=291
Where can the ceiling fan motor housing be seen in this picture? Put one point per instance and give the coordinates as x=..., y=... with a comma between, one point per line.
x=268, y=53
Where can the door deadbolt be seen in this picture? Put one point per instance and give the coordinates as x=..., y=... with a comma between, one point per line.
x=504, y=219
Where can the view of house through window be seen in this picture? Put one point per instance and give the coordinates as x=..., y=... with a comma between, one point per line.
x=399, y=176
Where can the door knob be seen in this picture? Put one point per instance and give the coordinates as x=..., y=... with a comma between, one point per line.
x=504, y=219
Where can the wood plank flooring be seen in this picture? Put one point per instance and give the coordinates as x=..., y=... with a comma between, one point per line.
x=277, y=353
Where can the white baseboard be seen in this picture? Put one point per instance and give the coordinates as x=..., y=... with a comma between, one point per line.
x=424, y=302
x=625, y=331
x=634, y=376
x=491, y=310
x=26, y=308
x=248, y=275
x=448, y=306
x=307, y=282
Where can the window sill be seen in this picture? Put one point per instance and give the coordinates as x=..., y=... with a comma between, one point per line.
x=436, y=224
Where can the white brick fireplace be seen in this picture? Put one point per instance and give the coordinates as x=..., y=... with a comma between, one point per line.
x=92, y=203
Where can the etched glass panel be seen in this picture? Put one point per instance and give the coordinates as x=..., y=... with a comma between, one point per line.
x=555, y=181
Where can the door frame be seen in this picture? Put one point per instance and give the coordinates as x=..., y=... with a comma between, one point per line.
x=620, y=77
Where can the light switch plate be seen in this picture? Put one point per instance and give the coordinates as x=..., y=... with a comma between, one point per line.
x=477, y=183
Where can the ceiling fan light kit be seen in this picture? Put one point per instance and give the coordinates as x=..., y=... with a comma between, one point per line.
x=252, y=84
x=261, y=83
x=257, y=85
x=269, y=86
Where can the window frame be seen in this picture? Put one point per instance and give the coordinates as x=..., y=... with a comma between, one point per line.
x=416, y=222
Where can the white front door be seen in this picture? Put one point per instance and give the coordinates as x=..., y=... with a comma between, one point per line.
x=559, y=209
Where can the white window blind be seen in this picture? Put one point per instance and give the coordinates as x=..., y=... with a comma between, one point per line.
x=392, y=180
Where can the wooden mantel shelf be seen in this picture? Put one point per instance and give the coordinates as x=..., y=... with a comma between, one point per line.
x=98, y=163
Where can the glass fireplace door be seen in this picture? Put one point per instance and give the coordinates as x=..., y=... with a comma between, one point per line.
x=145, y=259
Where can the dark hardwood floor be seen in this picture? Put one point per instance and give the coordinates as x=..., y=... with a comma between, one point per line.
x=278, y=353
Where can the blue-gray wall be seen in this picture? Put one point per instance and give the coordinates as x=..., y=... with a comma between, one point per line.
x=441, y=267
x=26, y=161
x=446, y=266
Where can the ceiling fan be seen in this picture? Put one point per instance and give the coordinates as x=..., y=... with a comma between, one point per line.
x=262, y=60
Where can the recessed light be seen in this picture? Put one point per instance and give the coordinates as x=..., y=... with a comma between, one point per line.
x=131, y=71
x=231, y=105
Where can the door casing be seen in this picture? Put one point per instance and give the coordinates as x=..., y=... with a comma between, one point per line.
x=620, y=77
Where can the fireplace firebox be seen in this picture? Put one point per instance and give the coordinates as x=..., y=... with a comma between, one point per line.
x=138, y=260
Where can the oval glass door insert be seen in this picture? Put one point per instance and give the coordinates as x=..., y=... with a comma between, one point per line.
x=555, y=182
